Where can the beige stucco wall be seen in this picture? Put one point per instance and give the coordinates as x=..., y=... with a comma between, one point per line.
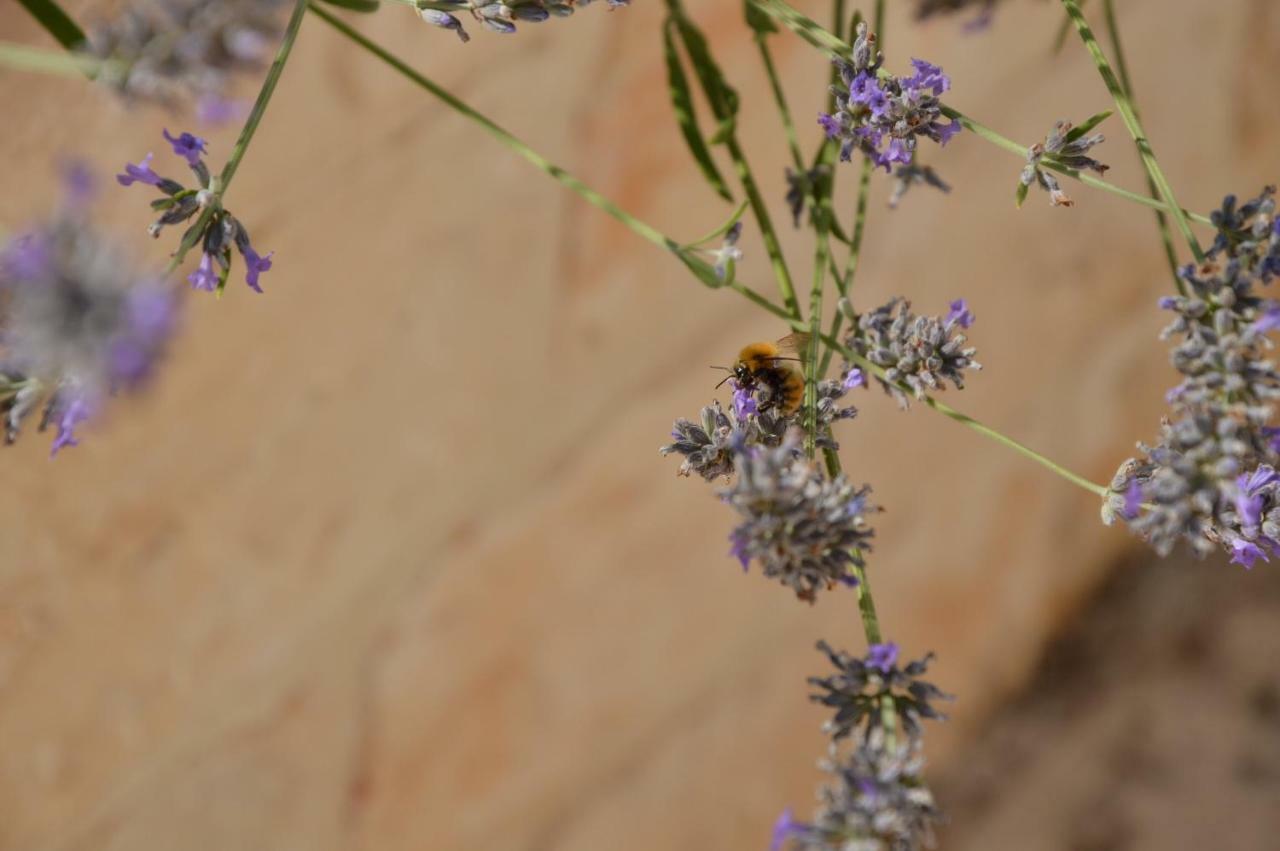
x=389, y=560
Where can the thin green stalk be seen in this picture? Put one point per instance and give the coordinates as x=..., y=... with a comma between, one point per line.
x=264, y=96
x=780, y=99
x=1162, y=222
x=845, y=282
x=1130, y=118
x=219, y=183
x=811, y=373
x=767, y=232
x=531, y=156
x=20, y=57
x=657, y=238
x=814, y=33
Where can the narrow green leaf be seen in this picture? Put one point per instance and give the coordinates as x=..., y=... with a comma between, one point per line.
x=1063, y=29
x=355, y=5
x=682, y=103
x=1094, y=121
x=757, y=20
x=722, y=97
x=55, y=22
x=1021, y=194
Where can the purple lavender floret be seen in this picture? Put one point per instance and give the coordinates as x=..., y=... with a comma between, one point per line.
x=187, y=146
x=959, y=314
x=140, y=173
x=873, y=106
x=882, y=657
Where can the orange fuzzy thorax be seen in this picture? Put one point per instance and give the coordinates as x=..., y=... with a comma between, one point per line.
x=758, y=356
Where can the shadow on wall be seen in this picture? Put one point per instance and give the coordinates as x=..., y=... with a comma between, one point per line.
x=1154, y=722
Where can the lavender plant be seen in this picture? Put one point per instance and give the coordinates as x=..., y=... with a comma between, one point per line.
x=79, y=324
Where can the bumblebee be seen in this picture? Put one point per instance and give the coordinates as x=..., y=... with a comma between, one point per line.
x=773, y=368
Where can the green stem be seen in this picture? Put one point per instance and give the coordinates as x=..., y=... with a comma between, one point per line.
x=264, y=96
x=813, y=33
x=780, y=100
x=822, y=248
x=544, y=165
x=20, y=57
x=220, y=183
x=1162, y=222
x=767, y=232
x=1130, y=118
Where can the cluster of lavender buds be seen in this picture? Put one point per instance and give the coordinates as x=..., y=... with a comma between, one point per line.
x=863, y=686
x=805, y=530
x=875, y=108
x=878, y=800
x=179, y=51
x=1065, y=146
x=218, y=229
x=500, y=16
x=1210, y=479
x=80, y=322
x=921, y=352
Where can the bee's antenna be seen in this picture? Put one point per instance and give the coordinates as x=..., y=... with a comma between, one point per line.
x=723, y=380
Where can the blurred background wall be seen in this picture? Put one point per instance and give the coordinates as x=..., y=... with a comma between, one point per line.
x=389, y=560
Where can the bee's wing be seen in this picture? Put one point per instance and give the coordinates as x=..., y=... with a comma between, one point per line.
x=796, y=344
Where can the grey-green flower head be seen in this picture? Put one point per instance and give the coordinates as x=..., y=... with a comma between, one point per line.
x=861, y=686
x=921, y=352
x=1067, y=147
x=1206, y=479
x=803, y=529
x=876, y=800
